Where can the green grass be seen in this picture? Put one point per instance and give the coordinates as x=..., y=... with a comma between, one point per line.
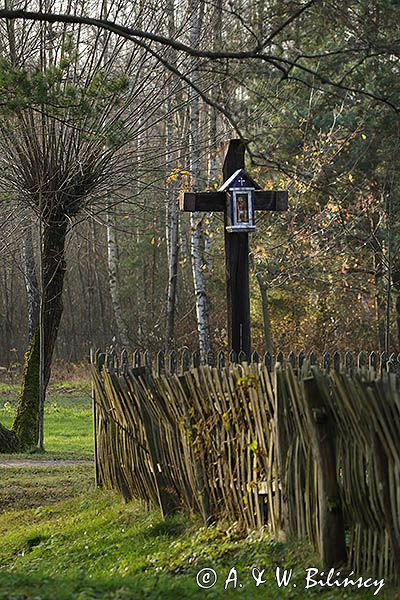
x=63, y=540
x=94, y=546
x=68, y=417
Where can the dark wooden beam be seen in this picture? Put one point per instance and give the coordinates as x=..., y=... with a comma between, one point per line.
x=237, y=265
x=203, y=201
x=216, y=201
x=271, y=200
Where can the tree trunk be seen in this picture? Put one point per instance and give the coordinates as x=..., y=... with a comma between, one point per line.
x=197, y=237
x=112, y=255
x=396, y=286
x=266, y=321
x=26, y=422
x=100, y=323
x=9, y=441
x=31, y=283
x=24, y=434
x=172, y=213
x=173, y=256
x=380, y=305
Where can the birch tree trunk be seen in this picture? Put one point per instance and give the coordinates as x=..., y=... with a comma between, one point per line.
x=197, y=237
x=173, y=257
x=172, y=213
x=112, y=245
x=217, y=45
x=112, y=263
x=31, y=282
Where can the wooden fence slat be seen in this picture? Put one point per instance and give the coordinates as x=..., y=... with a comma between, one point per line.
x=349, y=362
x=373, y=360
x=160, y=368
x=173, y=362
x=336, y=361
x=221, y=359
x=268, y=361
x=137, y=359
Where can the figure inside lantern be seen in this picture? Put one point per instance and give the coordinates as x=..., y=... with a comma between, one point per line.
x=242, y=208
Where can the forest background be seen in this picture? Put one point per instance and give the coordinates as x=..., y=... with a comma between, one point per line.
x=320, y=116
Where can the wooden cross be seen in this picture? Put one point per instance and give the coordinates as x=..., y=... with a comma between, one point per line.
x=236, y=244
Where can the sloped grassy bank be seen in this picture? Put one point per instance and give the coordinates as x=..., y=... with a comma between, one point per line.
x=94, y=546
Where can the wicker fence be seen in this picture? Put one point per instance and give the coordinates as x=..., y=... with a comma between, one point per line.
x=178, y=362
x=308, y=450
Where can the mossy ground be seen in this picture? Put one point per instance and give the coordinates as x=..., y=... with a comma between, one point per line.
x=61, y=539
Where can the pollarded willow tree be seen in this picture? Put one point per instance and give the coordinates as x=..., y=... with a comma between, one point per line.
x=73, y=102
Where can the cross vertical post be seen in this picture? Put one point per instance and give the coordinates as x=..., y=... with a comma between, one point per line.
x=237, y=265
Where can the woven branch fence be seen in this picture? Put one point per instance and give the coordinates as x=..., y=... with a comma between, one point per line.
x=308, y=451
x=178, y=362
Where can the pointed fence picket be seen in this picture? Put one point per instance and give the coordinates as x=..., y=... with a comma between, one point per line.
x=178, y=362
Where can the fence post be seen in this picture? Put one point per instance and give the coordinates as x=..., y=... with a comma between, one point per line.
x=281, y=443
x=94, y=360
x=332, y=544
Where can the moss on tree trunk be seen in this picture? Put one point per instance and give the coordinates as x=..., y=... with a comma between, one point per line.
x=9, y=441
x=26, y=422
x=24, y=433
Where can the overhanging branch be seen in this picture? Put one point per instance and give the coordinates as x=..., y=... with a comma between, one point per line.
x=285, y=65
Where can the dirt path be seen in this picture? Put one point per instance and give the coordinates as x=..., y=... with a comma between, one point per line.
x=42, y=462
x=30, y=482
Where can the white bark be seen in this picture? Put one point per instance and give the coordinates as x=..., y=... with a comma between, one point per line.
x=213, y=127
x=172, y=213
x=31, y=282
x=112, y=262
x=197, y=237
x=173, y=256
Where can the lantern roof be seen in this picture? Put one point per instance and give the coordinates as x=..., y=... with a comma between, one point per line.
x=240, y=179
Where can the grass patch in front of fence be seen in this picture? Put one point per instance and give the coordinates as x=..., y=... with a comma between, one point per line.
x=68, y=417
x=94, y=546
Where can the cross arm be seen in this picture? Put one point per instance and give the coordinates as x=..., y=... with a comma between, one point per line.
x=271, y=200
x=216, y=201
x=203, y=201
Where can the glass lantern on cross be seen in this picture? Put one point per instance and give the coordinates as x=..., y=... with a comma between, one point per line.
x=240, y=189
